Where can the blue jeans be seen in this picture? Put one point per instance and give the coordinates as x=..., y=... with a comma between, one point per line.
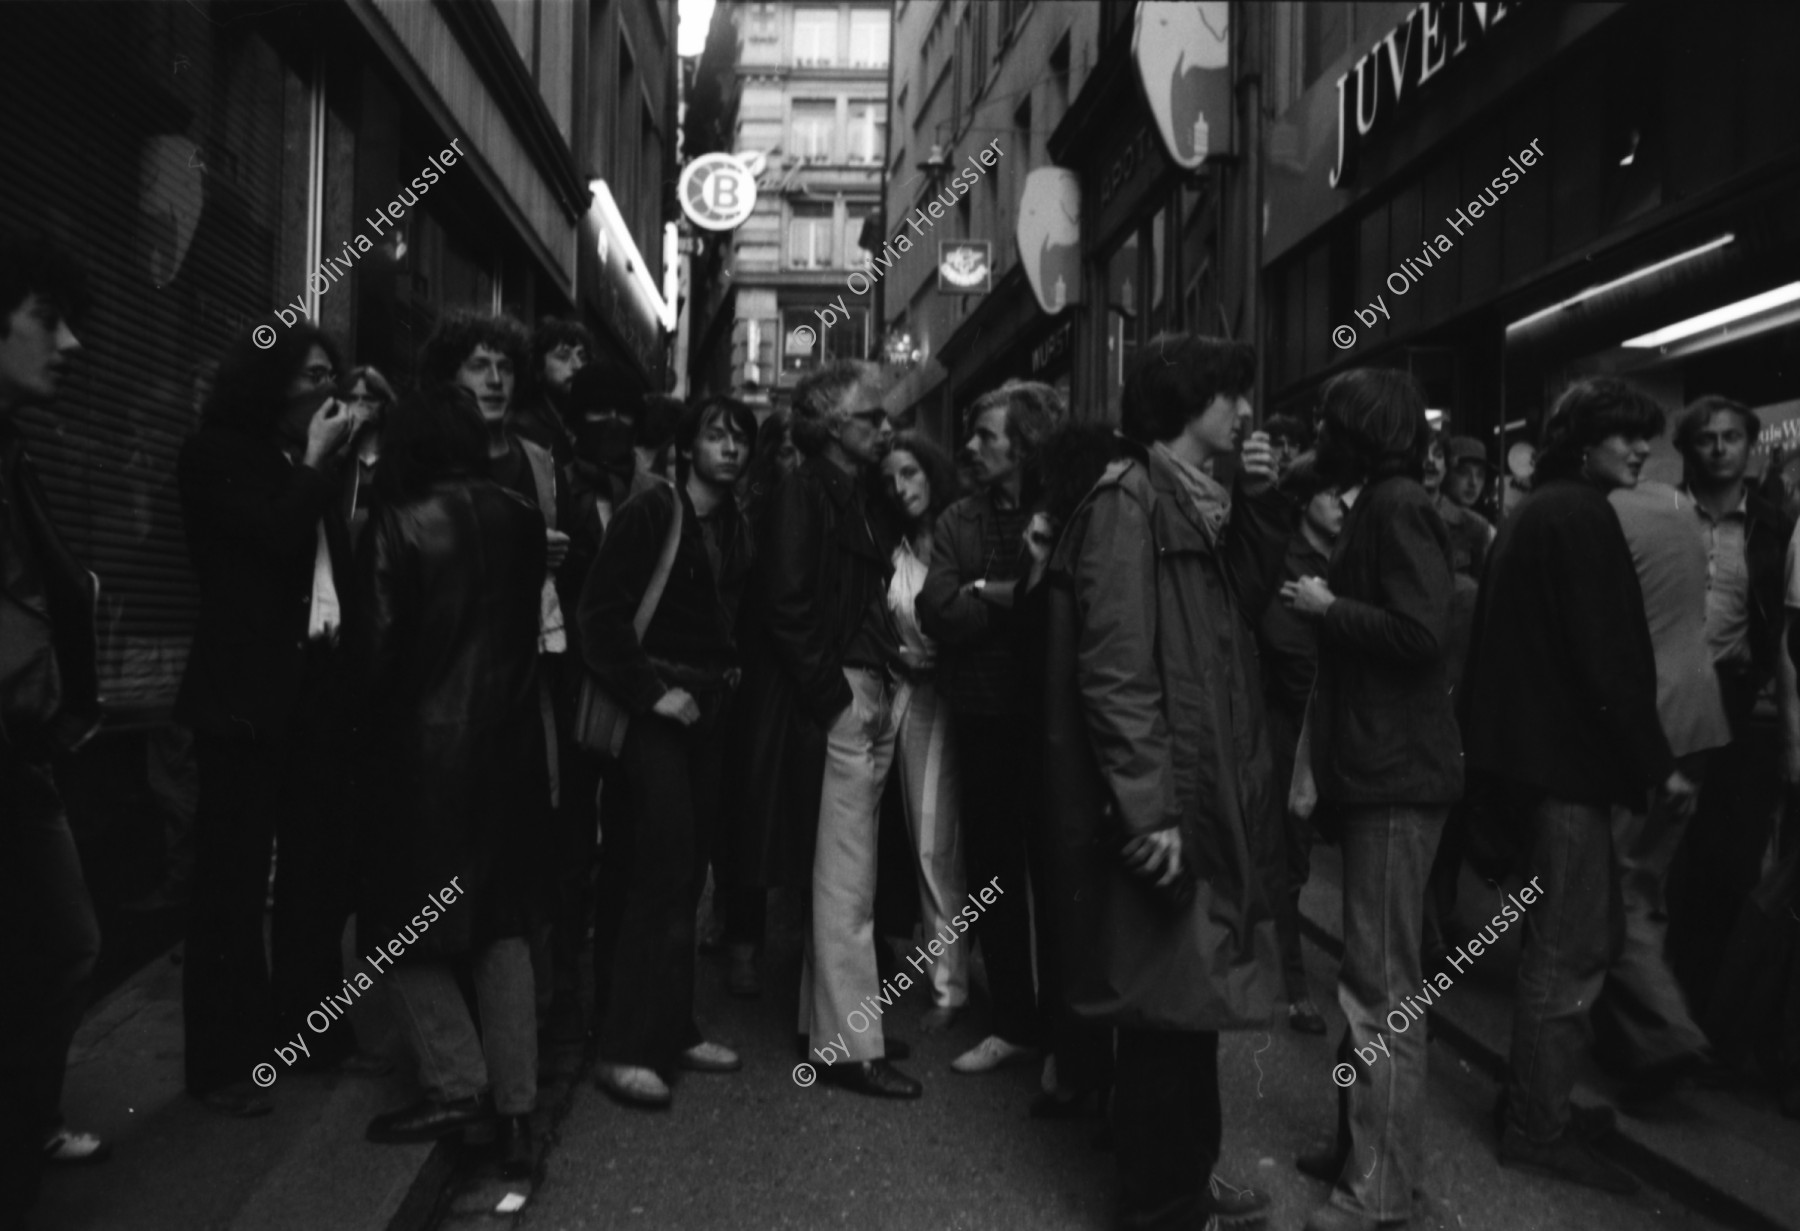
x=454, y=1061
x=1570, y=939
x=1388, y=851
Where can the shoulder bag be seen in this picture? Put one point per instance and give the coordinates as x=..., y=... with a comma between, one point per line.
x=600, y=721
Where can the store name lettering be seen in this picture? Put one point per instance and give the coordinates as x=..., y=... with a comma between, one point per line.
x=1124, y=167
x=1392, y=71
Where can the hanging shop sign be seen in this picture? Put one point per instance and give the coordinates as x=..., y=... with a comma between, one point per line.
x=1183, y=55
x=717, y=192
x=965, y=266
x=1393, y=72
x=1050, y=236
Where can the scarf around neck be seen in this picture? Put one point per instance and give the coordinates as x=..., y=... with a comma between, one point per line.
x=1207, y=497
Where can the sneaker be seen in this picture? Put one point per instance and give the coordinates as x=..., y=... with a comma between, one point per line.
x=990, y=1054
x=1234, y=1207
x=633, y=1085
x=709, y=1058
x=65, y=1149
x=1567, y=1158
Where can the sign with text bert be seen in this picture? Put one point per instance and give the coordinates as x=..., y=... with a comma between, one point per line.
x=965, y=266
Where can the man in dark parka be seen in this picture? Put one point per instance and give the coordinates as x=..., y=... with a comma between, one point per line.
x=1160, y=773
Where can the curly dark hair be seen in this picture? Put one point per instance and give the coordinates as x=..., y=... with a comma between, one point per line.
x=1586, y=413
x=249, y=393
x=552, y=332
x=1072, y=459
x=34, y=263
x=1176, y=378
x=459, y=333
x=430, y=435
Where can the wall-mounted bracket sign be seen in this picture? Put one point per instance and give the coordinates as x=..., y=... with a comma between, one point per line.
x=965, y=266
x=1183, y=54
x=717, y=192
x=1393, y=71
x=1050, y=236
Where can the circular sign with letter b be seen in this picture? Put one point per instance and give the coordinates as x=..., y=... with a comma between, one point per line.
x=717, y=192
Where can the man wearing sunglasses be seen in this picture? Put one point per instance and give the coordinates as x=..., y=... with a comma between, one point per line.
x=820, y=699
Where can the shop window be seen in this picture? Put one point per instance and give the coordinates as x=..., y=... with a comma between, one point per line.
x=809, y=237
x=868, y=38
x=807, y=344
x=167, y=150
x=810, y=131
x=815, y=37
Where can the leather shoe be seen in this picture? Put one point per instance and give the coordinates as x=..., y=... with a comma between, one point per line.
x=1234, y=1207
x=877, y=1078
x=426, y=1120
x=1304, y=1016
x=515, y=1147
x=1323, y=1161
x=1567, y=1158
x=240, y=1099
x=1588, y=1123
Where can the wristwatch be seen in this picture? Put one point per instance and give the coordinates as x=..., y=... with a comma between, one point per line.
x=980, y=585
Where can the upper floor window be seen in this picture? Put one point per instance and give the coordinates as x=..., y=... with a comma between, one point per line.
x=809, y=237
x=868, y=132
x=810, y=131
x=868, y=38
x=815, y=36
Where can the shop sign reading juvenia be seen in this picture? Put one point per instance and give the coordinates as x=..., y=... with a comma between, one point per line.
x=1394, y=70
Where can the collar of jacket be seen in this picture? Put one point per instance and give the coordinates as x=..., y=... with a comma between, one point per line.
x=1168, y=486
x=838, y=484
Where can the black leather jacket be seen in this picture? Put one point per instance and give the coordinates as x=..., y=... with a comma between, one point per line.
x=51, y=601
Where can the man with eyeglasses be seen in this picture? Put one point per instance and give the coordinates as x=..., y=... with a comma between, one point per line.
x=262, y=694
x=820, y=697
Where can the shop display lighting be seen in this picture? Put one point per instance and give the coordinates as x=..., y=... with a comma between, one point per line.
x=1726, y=315
x=1633, y=276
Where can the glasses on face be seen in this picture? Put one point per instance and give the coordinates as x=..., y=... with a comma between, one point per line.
x=319, y=374
x=874, y=418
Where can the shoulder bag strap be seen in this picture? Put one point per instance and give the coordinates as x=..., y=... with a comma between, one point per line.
x=665, y=564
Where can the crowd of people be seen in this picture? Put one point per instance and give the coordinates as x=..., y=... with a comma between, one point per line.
x=551, y=654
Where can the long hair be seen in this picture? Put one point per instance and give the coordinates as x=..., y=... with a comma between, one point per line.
x=764, y=473
x=250, y=391
x=940, y=476
x=1586, y=413
x=1376, y=426
x=431, y=435
x=1073, y=458
x=1176, y=377
x=459, y=333
x=552, y=332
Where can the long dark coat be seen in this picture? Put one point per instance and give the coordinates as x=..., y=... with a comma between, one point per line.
x=445, y=643
x=818, y=571
x=1154, y=720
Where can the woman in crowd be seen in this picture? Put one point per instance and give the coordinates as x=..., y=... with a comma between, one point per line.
x=674, y=676
x=917, y=483
x=368, y=398
x=455, y=803
x=1387, y=758
x=262, y=695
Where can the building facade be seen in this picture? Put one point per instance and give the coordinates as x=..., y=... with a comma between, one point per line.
x=1503, y=197
x=218, y=166
x=807, y=101
x=1054, y=85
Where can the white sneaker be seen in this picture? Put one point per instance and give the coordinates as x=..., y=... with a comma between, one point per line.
x=990, y=1054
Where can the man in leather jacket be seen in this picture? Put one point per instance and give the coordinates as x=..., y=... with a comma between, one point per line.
x=49, y=937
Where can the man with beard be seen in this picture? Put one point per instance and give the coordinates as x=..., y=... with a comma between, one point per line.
x=560, y=349
x=675, y=678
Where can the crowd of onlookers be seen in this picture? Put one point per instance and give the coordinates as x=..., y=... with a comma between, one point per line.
x=580, y=651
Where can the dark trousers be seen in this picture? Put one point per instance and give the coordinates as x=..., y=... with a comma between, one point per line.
x=252, y=793
x=1296, y=851
x=672, y=774
x=1167, y=1126
x=993, y=756
x=1720, y=860
x=612, y=876
x=49, y=941
x=572, y=876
